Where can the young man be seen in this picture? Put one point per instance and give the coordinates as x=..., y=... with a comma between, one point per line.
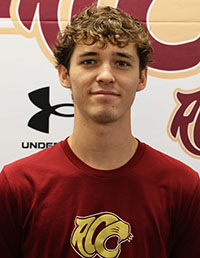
x=101, y=192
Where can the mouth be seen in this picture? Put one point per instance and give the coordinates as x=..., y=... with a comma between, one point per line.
x=105, y=93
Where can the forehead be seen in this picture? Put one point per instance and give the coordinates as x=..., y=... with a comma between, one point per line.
x=81, y=49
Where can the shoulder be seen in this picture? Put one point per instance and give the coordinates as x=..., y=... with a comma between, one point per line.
x=175, y=182
x=34, y=164
x=163, y=160
x=169, y=169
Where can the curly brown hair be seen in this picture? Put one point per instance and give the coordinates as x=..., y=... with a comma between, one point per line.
x=104, y=25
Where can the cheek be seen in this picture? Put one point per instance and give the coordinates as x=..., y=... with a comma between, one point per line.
x=81, y=84
x=78, y=78
x=131, y=92
x=78, y=90
x=132, y=86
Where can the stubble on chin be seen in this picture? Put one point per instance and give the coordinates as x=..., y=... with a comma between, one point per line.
x=104, y=117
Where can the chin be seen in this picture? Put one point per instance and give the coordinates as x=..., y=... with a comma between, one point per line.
x=105, y=118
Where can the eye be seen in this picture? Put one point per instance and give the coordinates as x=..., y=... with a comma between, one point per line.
x=122, y=63
x=88, y=62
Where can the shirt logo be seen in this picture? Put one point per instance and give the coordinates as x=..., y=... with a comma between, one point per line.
x=184, y=125
x=101, y=235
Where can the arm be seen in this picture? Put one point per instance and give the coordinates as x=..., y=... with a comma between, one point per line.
x=9, y=225
x=187, y=242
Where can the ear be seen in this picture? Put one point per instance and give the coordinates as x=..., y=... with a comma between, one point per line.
x=64, y=77
x=142, y=80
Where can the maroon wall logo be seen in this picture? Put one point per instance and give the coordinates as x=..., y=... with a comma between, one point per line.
x=184, y=125
x=44, y=18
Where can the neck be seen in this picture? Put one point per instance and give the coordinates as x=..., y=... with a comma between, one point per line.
x=103, y=146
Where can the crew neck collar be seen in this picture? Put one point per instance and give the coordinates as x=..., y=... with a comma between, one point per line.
x=80, y=165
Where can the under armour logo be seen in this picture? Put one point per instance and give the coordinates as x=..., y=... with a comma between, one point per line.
x=40, y=121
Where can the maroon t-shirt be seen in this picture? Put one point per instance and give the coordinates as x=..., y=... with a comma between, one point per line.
x=52, y=205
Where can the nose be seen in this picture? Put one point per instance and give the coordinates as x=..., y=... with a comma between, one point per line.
x=105, y=75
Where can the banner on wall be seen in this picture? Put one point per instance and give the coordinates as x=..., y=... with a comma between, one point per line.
x=36, y=112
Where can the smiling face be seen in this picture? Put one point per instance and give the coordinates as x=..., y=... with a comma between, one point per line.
x=103, y=81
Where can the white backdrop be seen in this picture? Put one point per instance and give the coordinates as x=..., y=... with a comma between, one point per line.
x=25, y=67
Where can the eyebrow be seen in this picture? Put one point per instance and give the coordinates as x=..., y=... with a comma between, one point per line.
x=125, y=55
x=88, y=54
x=119, y=54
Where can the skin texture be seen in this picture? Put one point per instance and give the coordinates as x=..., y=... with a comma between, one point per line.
x=103, y=83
